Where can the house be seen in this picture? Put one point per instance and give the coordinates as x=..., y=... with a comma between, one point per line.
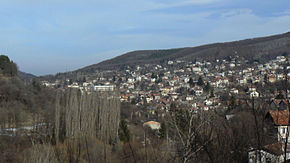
x=281, y=58
x=156, y=96
x=174, y=96
x=232, y=65
x=189, y=98
x=272, y=78
x=198, y=91
x=209, y=102
x=131, y=80
x=280, y=77
x=280, y=119
x=234, y=91
x=254, y=94
x=242, y=81
x=272, y=153
x=226, y=80
x=196, y=69
x=252, y=89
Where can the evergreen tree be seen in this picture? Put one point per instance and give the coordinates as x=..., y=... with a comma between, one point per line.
x=206, y=88
x=232, y=104
x=162, y=131
x=211, y=94
x=154, y=75
x=200, y=81
x=265, y=78
x=124, y=133
x=3, y=60
x=280, y=96
x=191, y=83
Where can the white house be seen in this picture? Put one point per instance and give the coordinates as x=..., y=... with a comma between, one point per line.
x=234, y=91
x=104, y=87
x=198, y=91
x=189, y=98
x=196, y=69
x=254, y=94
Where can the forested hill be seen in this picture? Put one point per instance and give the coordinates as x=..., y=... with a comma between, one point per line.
x=257, y=48
x=26, y=76
x=261, y=49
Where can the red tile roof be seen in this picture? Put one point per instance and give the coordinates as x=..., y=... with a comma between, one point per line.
x=280, y=117
x=275, y=148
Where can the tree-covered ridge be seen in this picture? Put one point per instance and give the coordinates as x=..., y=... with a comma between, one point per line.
x=7, y=67
x=162, y=53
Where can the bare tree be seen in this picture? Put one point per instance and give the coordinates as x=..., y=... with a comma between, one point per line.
x=190, y=127
x=91, y=113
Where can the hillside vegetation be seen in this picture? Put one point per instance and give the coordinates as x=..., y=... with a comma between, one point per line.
x=41, y=124
x=7, y=67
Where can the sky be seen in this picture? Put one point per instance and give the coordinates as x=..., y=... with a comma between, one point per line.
x=50, y=36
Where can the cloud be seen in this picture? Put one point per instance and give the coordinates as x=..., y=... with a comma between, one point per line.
x=236, y=12
x=243, y=25
x=186, y=3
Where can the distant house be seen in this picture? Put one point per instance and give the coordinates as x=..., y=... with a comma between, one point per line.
x=170, y=62
x=254, y=94
x=280, y=77
x=189, y=98
x=234, y=91
x=272, y=78
x=281, y=58
x=104, y=87
x=198, y=91
x=156, y=96
x=242, y=81
x=196, y=69
x=252, y=89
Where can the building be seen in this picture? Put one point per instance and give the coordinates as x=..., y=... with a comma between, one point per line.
x=104, y=88
x=280, y=119
x=273, y=153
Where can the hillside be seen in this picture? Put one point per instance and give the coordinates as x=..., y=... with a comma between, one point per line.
x=257, y=49
x=261, y=49
x=26, y=76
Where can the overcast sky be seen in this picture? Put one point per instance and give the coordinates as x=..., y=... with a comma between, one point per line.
x=50, y=36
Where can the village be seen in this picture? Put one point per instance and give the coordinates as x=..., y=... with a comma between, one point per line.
x=201, y=85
